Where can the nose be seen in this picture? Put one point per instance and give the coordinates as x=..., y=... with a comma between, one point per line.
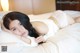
x=20, y=30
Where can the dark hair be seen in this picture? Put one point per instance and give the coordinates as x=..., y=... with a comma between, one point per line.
x=23, y=18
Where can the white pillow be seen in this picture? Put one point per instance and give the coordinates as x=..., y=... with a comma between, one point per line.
x=13, y=43
x=2, y=13
x=61, y=19
x=8, y=38
x=72, y=13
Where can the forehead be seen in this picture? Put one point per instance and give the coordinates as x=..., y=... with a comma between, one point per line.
x=13, y=23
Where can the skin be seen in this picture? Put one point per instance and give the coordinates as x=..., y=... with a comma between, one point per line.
x=41, y=27
x=77, y=19
x=18, y=29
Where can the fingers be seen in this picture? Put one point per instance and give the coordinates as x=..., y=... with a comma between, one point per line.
x=39, y=39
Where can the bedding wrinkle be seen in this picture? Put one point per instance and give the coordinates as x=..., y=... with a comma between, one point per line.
x=50, y=47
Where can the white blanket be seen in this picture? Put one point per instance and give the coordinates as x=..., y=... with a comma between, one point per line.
x=66, y=40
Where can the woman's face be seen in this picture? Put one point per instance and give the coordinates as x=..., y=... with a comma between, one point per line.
x=17, y=28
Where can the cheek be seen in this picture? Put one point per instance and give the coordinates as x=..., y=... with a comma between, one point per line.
x=27, y=32
x=16, y=32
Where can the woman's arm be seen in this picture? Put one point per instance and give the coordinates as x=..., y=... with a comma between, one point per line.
x=42, y=29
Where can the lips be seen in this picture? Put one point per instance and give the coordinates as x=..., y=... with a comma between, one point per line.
x=23, y=34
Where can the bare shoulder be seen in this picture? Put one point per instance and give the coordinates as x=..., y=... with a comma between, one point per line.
x=41, y=27
x=77, y=19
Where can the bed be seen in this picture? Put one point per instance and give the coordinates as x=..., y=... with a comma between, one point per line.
x=63, y=27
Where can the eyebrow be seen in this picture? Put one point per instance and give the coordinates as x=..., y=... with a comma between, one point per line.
x=12, y=28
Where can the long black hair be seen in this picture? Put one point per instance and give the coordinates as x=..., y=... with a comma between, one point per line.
x=23, y=18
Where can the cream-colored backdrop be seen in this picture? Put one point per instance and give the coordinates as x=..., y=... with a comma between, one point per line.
x=0, y=6
x=24, y=6
x=32, y=6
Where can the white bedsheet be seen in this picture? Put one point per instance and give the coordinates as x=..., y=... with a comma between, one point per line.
x=66, y=40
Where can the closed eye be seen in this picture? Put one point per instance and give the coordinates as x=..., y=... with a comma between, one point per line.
x=13, y=29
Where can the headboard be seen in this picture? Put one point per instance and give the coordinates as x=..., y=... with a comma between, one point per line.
x=32, y=6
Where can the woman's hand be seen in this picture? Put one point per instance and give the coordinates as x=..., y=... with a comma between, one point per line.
x=39, y=39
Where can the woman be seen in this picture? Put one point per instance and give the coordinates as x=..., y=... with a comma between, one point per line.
x=19, y=24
